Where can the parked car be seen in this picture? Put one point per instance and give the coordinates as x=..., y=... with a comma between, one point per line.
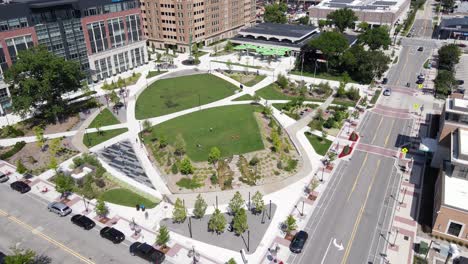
x=118, y=105
x=83, y=221
x=59, y=208
x=421, y=77
x=461, y=45
x=20, y=186
x=420, y=81
x=298, y=242
x=385, y=81
x=3, y=177
x=460, y=82
x=112, y=234
x=147, y=252
x=421, y=49
x=387, y=92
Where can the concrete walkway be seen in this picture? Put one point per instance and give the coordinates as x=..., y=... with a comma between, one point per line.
x=77, y=140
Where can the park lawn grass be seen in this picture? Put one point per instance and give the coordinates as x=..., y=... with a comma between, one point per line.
x=190, y=184
x=321, y=147
x=93, y=139
x=245, y=97
x=104, y=118
x=272, y=93
x=234, y=131
x=154, y=73
x=127, y=197
x=176, y=94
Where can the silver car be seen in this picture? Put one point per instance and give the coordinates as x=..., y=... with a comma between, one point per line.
x=387, y=92
x=4, y=177
x=59, y=208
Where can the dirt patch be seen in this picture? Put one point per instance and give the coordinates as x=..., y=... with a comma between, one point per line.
x=37, y=160
x=64, y=126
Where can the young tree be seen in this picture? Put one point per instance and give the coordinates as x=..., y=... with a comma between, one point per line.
x=39, y=132
x=200, y=207
x=231, y=261
x=376, y=38
x=228, y=46
x=53, y=165
x=256, y=98
x=179, y=145
x=282, y=81
x=158, y=57
x=290, y=224
x=258, y=203
x=215, y=155
x=240, y=222
x=217, y=222
x=20, y=168
x=324, y=135
x=179, y=213
x=342, y=18
x=236, y=203
x=38, y=79
x=304, y=20
x=163, y=236
x=114, y=97
x=276, y=13
x=322, y=23
x=101, y=208
x=63, y=183
x=120, y=82
x=276, y=141
x=147, y=126
x=55, y=146
x=20, y=256
x=186, y=166
x=363, y=26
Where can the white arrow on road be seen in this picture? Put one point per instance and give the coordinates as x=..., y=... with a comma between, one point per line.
x=339, y=246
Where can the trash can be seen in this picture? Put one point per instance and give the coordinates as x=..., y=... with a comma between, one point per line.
x=142, y=206
x=137, y=207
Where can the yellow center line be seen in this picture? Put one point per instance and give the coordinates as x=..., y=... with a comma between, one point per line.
x=358, y=175
x=45, y=237
x=358, y=219
x=389, y=133
x=376, y=130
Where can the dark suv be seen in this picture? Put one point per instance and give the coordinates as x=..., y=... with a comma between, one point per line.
x=112, y=234
x=298, y=242
x=83, y=221
x=147, y=252
x=20, y=186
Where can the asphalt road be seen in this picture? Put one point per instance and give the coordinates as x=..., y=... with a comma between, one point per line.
x=422, y=26
x=25, y=222
x=352, y=219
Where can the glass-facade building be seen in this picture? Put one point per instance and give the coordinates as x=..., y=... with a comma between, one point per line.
x=104, y=36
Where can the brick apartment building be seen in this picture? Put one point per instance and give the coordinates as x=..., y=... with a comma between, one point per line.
x=105, y=36
x=171, y=23
x=450, y=218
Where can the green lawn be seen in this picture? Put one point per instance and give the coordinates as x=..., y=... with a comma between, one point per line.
x=154, y=73
x=245, y=97
x=321, y=147
x=176, y=94
x=271, y=93
x=104, y=118
x=127, y=197
x=92, y=139
x=322, y=75
x=234, y=131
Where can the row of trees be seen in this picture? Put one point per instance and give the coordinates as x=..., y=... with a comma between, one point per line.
x=449, y=56
x=218, y=222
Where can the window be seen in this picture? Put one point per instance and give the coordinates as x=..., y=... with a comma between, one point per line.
x=454, y=229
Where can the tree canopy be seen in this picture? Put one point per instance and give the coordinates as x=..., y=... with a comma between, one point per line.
x=39, y=79
x=331, y=45
x=376, y=38
x=342, y=18
x=449, y=56
x=444, y=82
x=304, y=20
x=276, y=13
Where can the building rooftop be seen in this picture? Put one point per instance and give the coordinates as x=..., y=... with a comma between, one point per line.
x=463, y=144
x=456, y=192
x=363, y=5
x=456, y=105
x=454, y=21
x=280, y=30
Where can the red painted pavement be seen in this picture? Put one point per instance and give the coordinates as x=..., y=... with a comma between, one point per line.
x=404, y=220
x=376, y=150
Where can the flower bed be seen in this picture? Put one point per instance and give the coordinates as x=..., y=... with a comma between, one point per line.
x=354, y=136
x=346, y=151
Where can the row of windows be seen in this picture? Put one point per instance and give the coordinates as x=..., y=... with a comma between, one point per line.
x=169, y=37
x=14, y=23
x=198, y=12
x=200, y=27
x=199, y=20
x=17, y=44
x=167, y=6
x=169, y=29
x=110, y=8
x=167, y=13
x=168, y=21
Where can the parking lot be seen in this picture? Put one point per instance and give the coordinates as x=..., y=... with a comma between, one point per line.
x=462, y=70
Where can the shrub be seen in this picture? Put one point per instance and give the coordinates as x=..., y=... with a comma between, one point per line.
x=254, y=161
x=100, y=183
x=292, y=164
x=214, y=179
x=174, y=169
x=16, y=148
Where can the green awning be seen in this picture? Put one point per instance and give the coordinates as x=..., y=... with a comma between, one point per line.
x=240, y=47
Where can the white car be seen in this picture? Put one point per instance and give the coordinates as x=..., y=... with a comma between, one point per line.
x=4, y=177
x=59, y=208
x=387, y=92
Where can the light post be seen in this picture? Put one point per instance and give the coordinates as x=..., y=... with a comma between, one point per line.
x=323, y=170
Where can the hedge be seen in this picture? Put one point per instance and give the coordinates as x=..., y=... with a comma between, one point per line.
x=16, y=148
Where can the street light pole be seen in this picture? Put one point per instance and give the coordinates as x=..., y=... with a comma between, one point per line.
x=323, y=170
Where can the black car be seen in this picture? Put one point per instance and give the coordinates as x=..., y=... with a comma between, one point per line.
x=20, y=186
x=460, y=82
x=83, y=221
x=385, y=81
x=298, y=242
x=420, y=49
x=147, y=252
x=112, y=234
x=420, y=81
